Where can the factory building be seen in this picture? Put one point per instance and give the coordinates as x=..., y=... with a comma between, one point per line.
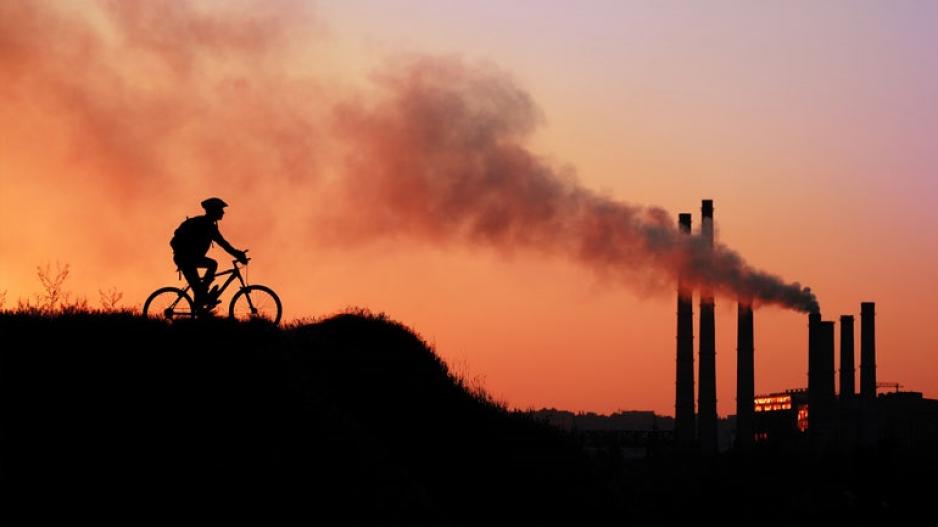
x=817, y=417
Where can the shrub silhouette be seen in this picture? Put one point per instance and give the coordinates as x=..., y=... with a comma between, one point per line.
x=54, y=298
x=110, y=299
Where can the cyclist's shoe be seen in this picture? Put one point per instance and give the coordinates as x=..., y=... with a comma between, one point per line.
x=211, y=299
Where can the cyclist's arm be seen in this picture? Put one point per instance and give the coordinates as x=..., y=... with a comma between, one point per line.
x=223, y=243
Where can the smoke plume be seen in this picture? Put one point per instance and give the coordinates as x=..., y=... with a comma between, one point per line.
x=442, y=158
x=161, y=101
x=150, y=94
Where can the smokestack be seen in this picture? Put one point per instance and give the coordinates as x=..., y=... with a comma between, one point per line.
x=826, y=363
x=684, y=396
x=814, y=323
x=867, y=351
x=847, y=375
x=707, y=385
x=820, y=371
x=813, y=320
x=745, y=376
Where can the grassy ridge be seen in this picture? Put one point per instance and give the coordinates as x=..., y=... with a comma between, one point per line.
x=353, y=418
x=114, y=419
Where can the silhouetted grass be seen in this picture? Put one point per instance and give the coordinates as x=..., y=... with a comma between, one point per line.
x=352, y=419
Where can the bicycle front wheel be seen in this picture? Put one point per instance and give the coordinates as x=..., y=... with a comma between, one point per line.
x=169, y=303
x=256, y=302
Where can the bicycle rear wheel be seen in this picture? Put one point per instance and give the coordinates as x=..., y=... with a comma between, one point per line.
x=256, y=302
x=168, y=303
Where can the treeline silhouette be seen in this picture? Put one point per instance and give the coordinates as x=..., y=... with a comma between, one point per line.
x=621, y=420
x=116, y=419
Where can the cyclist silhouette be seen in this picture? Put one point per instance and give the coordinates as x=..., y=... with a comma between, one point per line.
x=191, y=242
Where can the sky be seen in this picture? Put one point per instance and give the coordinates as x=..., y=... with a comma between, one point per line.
x=451, y=163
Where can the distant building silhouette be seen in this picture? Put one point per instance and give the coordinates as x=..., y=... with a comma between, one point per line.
x=817, y=419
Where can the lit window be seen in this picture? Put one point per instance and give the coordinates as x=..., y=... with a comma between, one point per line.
x=772, y=403
x=803, y=418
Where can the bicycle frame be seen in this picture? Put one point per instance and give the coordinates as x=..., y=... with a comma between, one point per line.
x=233, y=273
x=238, y=308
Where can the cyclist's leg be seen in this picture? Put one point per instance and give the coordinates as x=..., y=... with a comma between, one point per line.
x=210, y=266
x=189, y=269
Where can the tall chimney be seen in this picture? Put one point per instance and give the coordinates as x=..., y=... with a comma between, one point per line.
x=745, y=376
x=814, y=324
x=684, y=428
x=826, y=363
x=869, y=418
x=707, y=385
x=847, y=375
x=867, y=351
x=820, y=371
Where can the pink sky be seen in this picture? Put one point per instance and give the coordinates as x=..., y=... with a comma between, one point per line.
x=813, y=127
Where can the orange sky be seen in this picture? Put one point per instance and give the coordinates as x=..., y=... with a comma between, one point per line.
x=813, y=133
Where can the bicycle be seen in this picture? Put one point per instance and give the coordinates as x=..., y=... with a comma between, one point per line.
x=251, y=302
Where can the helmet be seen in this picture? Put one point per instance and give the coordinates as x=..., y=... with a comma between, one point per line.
x=214, y=204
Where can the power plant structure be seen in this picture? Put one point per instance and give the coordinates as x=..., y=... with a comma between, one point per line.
x=817, y=417
x=707, y=368
x=684, y=419
x=745, y=376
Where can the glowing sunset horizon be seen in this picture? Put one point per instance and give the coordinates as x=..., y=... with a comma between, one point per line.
x=504, y=179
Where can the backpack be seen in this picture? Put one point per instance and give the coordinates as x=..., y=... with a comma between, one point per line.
x=187, y=237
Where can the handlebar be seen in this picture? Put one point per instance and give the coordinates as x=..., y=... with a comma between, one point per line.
x=236, y=261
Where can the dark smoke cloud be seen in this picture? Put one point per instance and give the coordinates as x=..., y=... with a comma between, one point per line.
x=160, y=99
x=442, y=158
x=152, y=92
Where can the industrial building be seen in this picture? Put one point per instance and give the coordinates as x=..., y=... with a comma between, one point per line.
x=817, y=417
x=820, y=419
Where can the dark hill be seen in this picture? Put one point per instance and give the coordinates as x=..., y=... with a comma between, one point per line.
x=354, y=419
